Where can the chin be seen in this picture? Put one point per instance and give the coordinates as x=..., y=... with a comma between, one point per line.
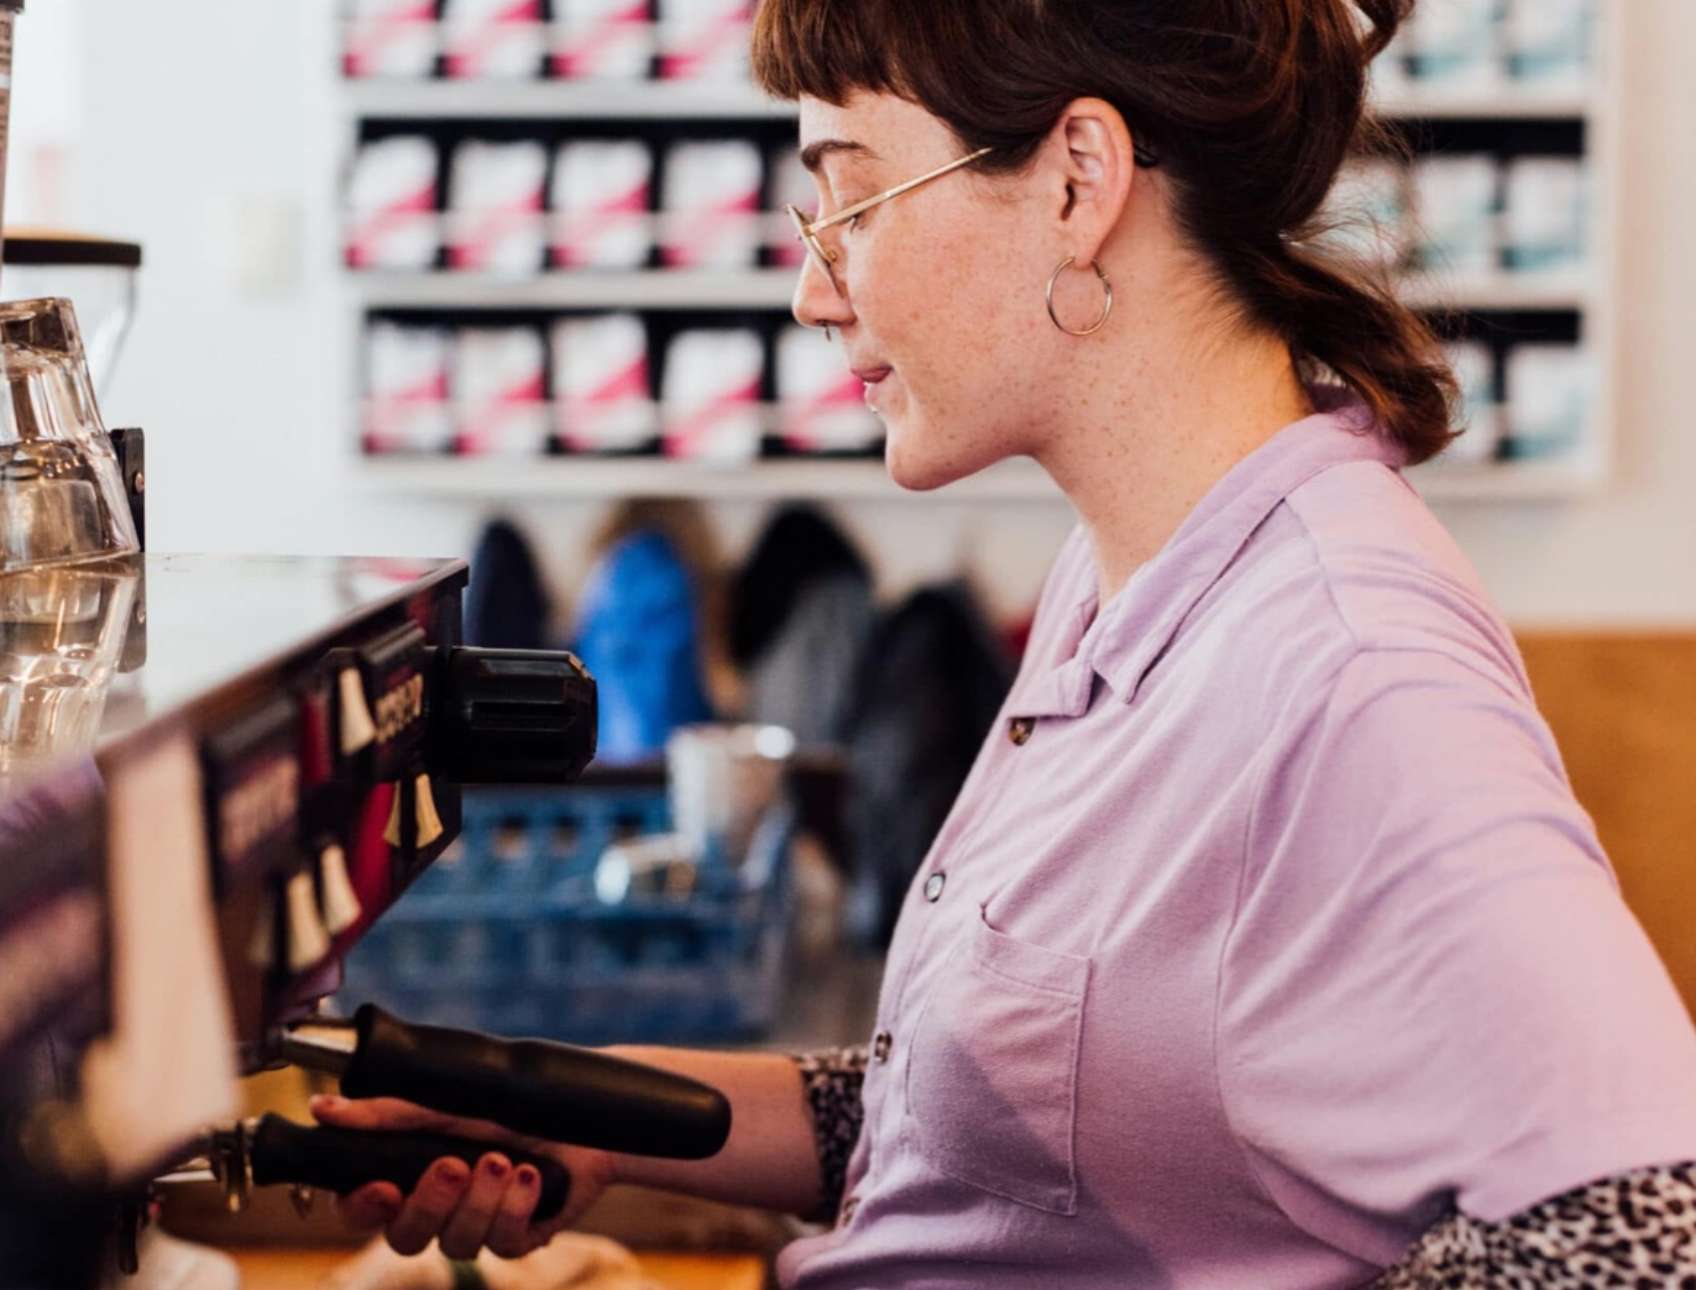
x=920, y=472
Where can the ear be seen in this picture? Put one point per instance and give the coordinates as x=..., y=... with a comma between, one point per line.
x=1093, y=148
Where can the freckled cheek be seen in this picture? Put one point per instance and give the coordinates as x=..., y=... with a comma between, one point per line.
x=910, y=295
x=879, y=284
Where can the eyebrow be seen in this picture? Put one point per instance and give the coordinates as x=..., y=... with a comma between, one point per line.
x=813, y=155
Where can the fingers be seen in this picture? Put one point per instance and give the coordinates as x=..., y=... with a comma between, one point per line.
x=388, y=1113
x=391, y=1114
x=371, y=1207
x=432, y=1203
x=510, y=1235
x=468, y=1228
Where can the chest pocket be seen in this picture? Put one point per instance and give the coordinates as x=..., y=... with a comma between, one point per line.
x=992, y=1069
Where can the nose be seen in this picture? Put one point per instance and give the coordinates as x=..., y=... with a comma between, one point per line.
x=816, y=302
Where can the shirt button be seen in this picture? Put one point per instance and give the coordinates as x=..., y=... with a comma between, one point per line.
x=1020, y=729
x=934, y=885
x=881, y=1045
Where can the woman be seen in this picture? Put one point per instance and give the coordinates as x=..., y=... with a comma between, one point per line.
x=1266, y=945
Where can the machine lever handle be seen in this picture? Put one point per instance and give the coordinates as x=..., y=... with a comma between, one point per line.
x=344, y=1160
x=545, y=1090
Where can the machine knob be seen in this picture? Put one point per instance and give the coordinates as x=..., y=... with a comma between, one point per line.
x=512, y=717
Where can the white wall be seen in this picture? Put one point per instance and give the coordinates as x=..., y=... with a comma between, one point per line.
x=47, y=106
x=210, y=134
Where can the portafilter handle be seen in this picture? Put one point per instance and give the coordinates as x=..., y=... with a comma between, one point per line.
x=553, y=1091
x=344, y=1160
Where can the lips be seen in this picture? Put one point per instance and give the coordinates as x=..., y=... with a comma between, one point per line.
x=872, y=375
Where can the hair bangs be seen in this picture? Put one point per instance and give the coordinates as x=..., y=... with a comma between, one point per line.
x=830, y=49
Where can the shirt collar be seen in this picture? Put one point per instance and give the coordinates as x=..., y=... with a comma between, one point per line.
x=1130, y=634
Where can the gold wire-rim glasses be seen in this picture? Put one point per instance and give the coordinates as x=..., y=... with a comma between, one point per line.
x=809, y=232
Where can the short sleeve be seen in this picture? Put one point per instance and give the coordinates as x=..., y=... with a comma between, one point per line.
x=833, y=1083
x=1433, y=994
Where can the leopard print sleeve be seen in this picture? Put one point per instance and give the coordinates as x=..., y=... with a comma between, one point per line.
x=1636, y=1230
x=832, y=1081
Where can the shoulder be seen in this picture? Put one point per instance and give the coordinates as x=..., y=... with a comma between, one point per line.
x=1352, y=566
x=1390, y=679
x=1393, y=573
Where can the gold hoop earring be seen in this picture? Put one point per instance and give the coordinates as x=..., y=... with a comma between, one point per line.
x=1106, y=309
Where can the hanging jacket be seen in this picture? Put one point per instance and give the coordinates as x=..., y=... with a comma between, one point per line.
x=505, y=606
x=930, y=681
x=638, y=633
x=797, y=549
x=801, y=611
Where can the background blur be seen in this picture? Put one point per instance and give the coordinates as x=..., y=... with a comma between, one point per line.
x=220, y=138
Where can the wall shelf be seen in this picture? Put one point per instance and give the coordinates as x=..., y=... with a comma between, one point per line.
x=543, y=100
x=1506, y=103
x=773, y=288
x=578, y=478
x=661, y=100
x=1524, y=481
x=649, y=105
x=602, y=477
x=656, y=289
x=1564, y=291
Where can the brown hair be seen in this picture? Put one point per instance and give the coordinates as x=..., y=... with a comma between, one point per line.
x=1251, y=105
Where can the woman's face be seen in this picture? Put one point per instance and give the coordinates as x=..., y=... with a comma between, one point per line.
x=942, y=310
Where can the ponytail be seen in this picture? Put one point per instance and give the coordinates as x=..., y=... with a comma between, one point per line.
x=1345, y=326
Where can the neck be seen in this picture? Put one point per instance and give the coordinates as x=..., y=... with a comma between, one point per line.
x=1151, y=423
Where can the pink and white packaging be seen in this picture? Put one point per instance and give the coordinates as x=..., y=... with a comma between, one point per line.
x=407, y=389
x=609, y=40
x=711, y=204
x=392, y=220
x=601, y=197
x=790, y=185
x=710, y=404
x=500, y=392
x=497, y=39
x=393, y=38
x=495, y=201
x=822, y=403
x=601, y=392
x=704, y=39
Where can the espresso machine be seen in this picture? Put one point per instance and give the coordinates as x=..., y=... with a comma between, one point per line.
x=215, y=775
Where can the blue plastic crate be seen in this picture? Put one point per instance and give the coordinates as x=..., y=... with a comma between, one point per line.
x=506, y=933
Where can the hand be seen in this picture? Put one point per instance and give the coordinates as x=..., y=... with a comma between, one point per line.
x=489, y=1208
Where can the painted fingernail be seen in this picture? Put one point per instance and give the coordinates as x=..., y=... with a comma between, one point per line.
x=528, y=1177
x=452, y=1172
x=495, y=1168
x=327, y=1102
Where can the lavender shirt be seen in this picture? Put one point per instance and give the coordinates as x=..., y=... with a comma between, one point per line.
x=1280, y=934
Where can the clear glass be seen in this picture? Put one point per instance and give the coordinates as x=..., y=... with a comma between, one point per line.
x=106, y=297
x=721, y=780
x=62, y=634
x=62, y=496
